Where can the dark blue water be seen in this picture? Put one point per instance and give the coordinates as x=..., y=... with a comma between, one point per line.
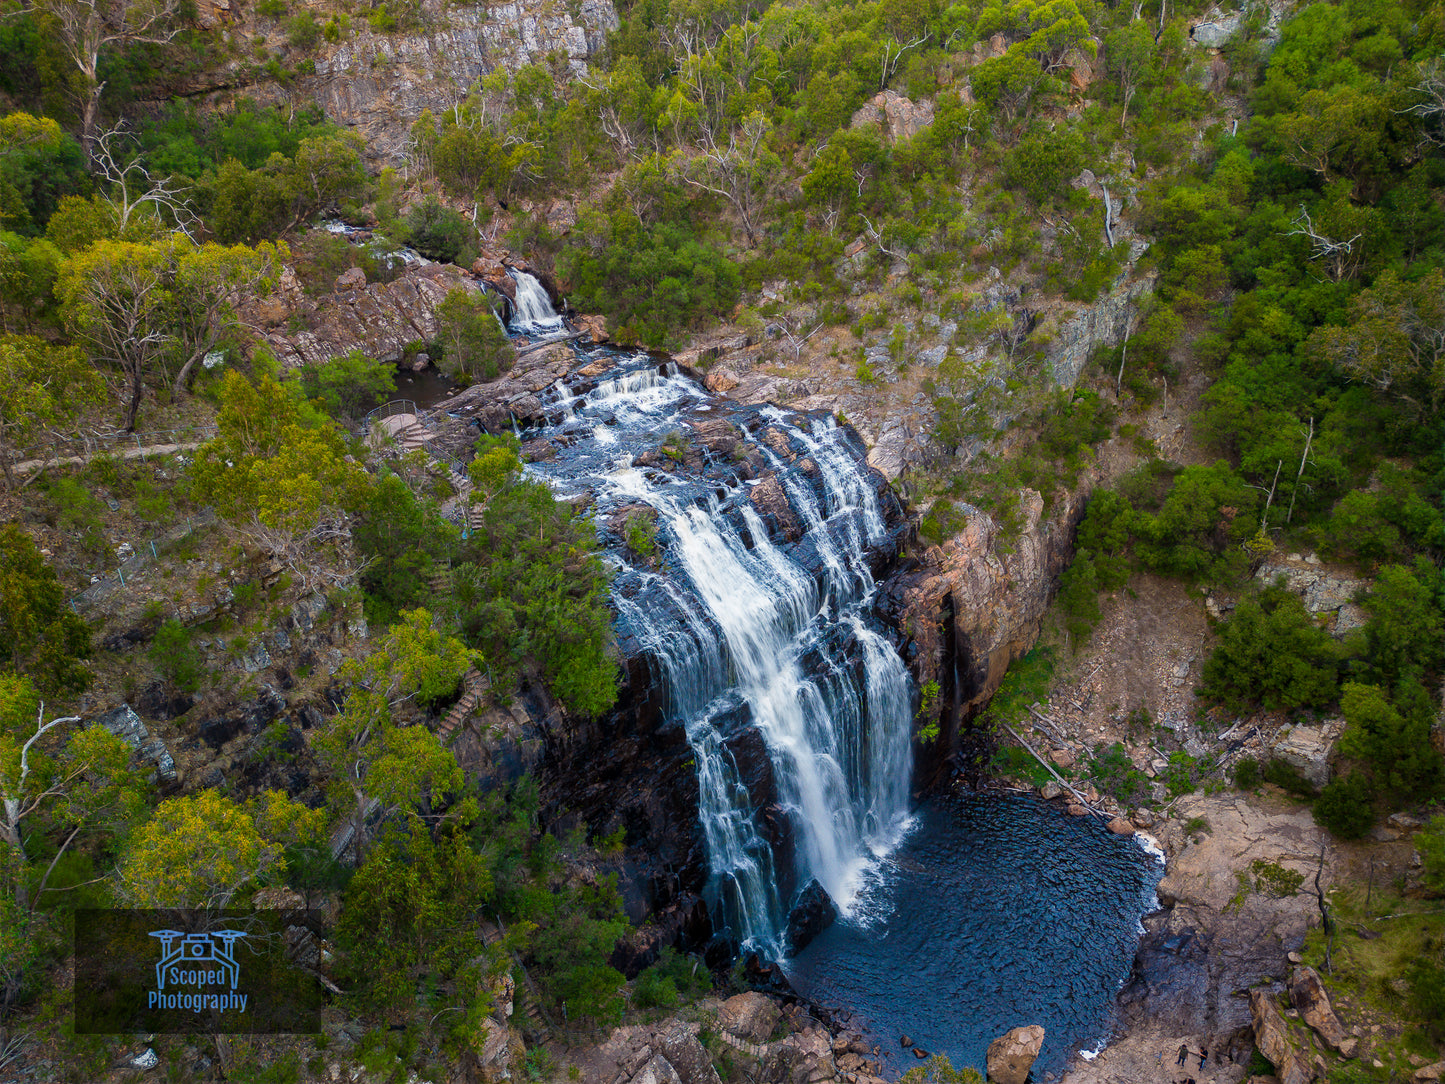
x=997, y=912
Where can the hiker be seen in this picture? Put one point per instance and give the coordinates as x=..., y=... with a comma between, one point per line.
x=1183, y=1054
x=1203, y=1053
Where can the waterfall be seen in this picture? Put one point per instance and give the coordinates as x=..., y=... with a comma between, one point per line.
x=533, y=313
x=744, y=629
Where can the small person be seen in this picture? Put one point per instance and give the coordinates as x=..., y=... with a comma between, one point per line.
x=1183, y=1054
x=1203, y=1053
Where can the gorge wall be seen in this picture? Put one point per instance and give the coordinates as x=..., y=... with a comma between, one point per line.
x=377, y=83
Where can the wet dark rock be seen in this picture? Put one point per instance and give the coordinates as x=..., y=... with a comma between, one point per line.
x=158, y=701
x=811, y=915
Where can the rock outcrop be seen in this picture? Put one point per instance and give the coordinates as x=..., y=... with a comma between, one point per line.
x=377, y=82
x=1012, y=1055
x=1308, y=749
x=1307, y=994
x=1271, y=1035
x=380, y=319
x=1218, y=933
x=977, y=602
x=894, y=115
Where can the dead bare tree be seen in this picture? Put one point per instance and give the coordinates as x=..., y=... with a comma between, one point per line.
x=132, y=186
x=893, y=53
x=876, y=237
x=1303, y=460
x=86, y=27
x=1339, y=256
x=1431, y=107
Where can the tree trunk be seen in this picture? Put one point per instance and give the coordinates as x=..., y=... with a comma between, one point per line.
x=90, y=120
x=137, y=389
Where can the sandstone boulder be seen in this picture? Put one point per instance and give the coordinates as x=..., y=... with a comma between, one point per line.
x=1012, y=1055
x=353, y=278
x=1429, y=1074
x=751, y=1016
x=687, y=1057
x=1309, y=748
x=1121, y=827
x=1050, y=790
x=490, y=1047
x=658, y=1070
x=1271, y=1036
x=894, y=115
x=1307, y=994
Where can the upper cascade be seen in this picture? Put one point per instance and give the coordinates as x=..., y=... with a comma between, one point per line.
x=754, y=620
x=533, y=313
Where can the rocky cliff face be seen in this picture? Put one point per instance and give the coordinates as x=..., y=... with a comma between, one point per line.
x=378, y=83
x=976, y=603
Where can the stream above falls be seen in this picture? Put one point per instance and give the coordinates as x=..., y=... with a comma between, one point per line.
x=995, y=913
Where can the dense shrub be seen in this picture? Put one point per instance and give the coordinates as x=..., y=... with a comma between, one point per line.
x=1272, y=654
x=348, y=386
x=439, y=233
x=1344, y=806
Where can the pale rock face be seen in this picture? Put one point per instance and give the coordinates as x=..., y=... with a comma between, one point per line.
x=1309, y=748
x=1011, y=1056
x=895, y=116
x=379, y=83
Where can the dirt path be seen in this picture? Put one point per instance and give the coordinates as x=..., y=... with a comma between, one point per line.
x=30, y=466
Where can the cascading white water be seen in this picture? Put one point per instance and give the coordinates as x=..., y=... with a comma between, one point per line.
x=533, y=313
x=742, y=631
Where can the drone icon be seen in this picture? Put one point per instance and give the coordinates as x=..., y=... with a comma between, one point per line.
x=215, y=948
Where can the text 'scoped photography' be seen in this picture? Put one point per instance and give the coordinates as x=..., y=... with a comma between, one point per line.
x=227, y=972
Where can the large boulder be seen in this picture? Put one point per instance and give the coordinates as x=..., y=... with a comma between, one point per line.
x=1011, y=1056
x=1271, y=1036
x=751, y=1016
x=1308, y=749
x=813, y=914
x=687, y=1057
x=657, y=1071
x=1307, y=994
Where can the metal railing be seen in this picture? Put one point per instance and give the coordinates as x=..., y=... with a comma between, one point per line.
x=143, y=554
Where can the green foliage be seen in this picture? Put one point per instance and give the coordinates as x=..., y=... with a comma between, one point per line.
x=1425, y=982
x=1271, y=653
x=640, y=533
x=653, y=276
x=939, y=1070
x=942, y=521
x=474, y=343
x=1287, y=777
x=1246, y=773
x=440, y=233
x=405, y=542
x=173, y=652
x=532, y=593
x=1430, y=842
x=1274, y=880
x=1393, y=739
x=39, y=165
x=410, y=911
x=350, y=385
x=1026, y=682
x=929, y=699
x=1197, y=531
x=39, y=634
x=1344, y=807
x=1406, y=630
x=1115, y=774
